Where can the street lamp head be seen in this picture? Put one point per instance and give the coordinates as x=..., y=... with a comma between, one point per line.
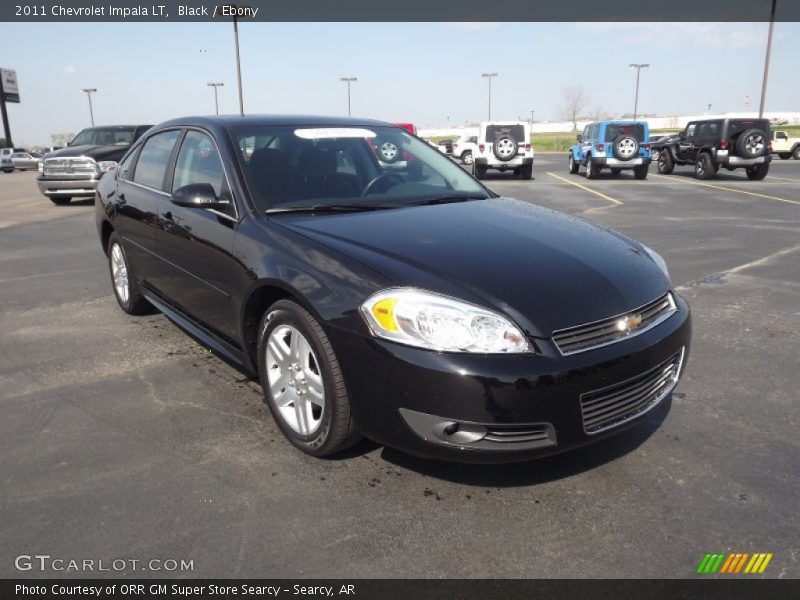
x=639, y=65
x=348, y=78
x=488, y=74
x=215, y=84
x=88, y=90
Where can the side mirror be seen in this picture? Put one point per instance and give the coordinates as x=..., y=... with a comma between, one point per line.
x=198, y=195
x=579, y=138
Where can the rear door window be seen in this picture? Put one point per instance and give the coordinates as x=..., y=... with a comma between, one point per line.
x=614, y=130
x=495, y=132
x=735, y=127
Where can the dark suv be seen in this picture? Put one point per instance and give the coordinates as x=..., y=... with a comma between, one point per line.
x=709, y=145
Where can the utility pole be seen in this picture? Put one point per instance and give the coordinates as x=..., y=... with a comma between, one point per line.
x=348, y=81
x=638, y=67
x=489, y=76
x=216, y=86
x=89, y=92
x=766, y=60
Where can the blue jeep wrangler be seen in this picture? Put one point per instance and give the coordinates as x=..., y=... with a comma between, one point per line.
x=614, y=145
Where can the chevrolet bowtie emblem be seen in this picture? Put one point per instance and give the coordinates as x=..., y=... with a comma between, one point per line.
x=629, y=323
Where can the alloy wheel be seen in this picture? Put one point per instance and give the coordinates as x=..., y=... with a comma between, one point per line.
x=295, y=380
x=119, y=272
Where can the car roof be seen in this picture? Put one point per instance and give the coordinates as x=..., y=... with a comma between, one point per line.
x=229, y=121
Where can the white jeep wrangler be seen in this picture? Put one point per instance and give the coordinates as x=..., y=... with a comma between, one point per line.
x=505, y=146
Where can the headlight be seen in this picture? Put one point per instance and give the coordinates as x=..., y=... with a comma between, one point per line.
x=658, y=259
x=40, y=166
x=436, y=322
x=106, y=165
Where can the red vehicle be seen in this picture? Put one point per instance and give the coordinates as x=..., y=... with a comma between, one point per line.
x=409, y=127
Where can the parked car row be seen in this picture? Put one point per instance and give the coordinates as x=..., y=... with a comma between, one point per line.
x=706, y=145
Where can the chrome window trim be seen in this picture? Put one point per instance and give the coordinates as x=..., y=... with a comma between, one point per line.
x=673, y=310
x=184, y=129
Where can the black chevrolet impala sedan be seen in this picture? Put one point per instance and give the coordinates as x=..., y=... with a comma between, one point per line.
x=386, y=293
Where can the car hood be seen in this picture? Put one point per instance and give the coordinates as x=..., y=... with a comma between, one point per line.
x=546, y=269
x=95, y=152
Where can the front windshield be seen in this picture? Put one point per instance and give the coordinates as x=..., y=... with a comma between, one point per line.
x=104, y=136
x=298, y=166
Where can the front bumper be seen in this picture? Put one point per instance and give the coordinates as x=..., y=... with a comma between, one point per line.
x=604, y=161
x=53, y=187
x=405, y=397
x=725, y=160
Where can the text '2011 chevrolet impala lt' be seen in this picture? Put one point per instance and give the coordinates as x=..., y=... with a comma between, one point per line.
x=401, y=301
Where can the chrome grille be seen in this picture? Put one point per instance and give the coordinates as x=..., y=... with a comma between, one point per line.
x=609, y=407
x=614, y=329
x=79, y=166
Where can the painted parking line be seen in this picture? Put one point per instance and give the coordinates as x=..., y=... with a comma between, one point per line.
x=783, y=178
x=728, y=189
x=590, y=190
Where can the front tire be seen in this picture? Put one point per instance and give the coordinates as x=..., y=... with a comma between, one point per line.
x=302, y=381
x=796, y=153
x=60, y=201
x=785, y=155
x=665, y=163
x=126, y=290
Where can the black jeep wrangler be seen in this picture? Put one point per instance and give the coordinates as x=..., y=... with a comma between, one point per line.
x=709, y=145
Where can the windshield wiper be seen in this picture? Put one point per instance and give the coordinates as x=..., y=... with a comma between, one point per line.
x=447, y=199
x=330, y=208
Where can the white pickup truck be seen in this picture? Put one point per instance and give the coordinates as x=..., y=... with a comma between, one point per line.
x=785, y=146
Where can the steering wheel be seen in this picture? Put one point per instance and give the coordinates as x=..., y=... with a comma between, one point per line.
x=370, y=187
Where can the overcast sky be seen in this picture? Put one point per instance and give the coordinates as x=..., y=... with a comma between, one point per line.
x=417, y=72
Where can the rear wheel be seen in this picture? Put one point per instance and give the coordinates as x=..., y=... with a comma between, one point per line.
x=573, y=164
x=796, y=153
x=591, y=169
x=703, y=168
x=757, y=172
x=479, y=171
x=527, y=171
x=126, y=290
x=640, y=172
x=302, y=381
x=60, y=200
x=785, y=155
x=467, y=157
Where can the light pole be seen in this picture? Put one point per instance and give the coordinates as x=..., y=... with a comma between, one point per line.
x=766, y=59
x=238, y=64
x=89, y=92
x=638, y=67
x=532, y=111
x=216, y=99
x=348, y=80
x=489, y=76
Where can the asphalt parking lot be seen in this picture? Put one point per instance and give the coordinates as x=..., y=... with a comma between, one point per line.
x=123, y=438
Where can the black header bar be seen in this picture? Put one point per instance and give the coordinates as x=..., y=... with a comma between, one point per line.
x=400, y=11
